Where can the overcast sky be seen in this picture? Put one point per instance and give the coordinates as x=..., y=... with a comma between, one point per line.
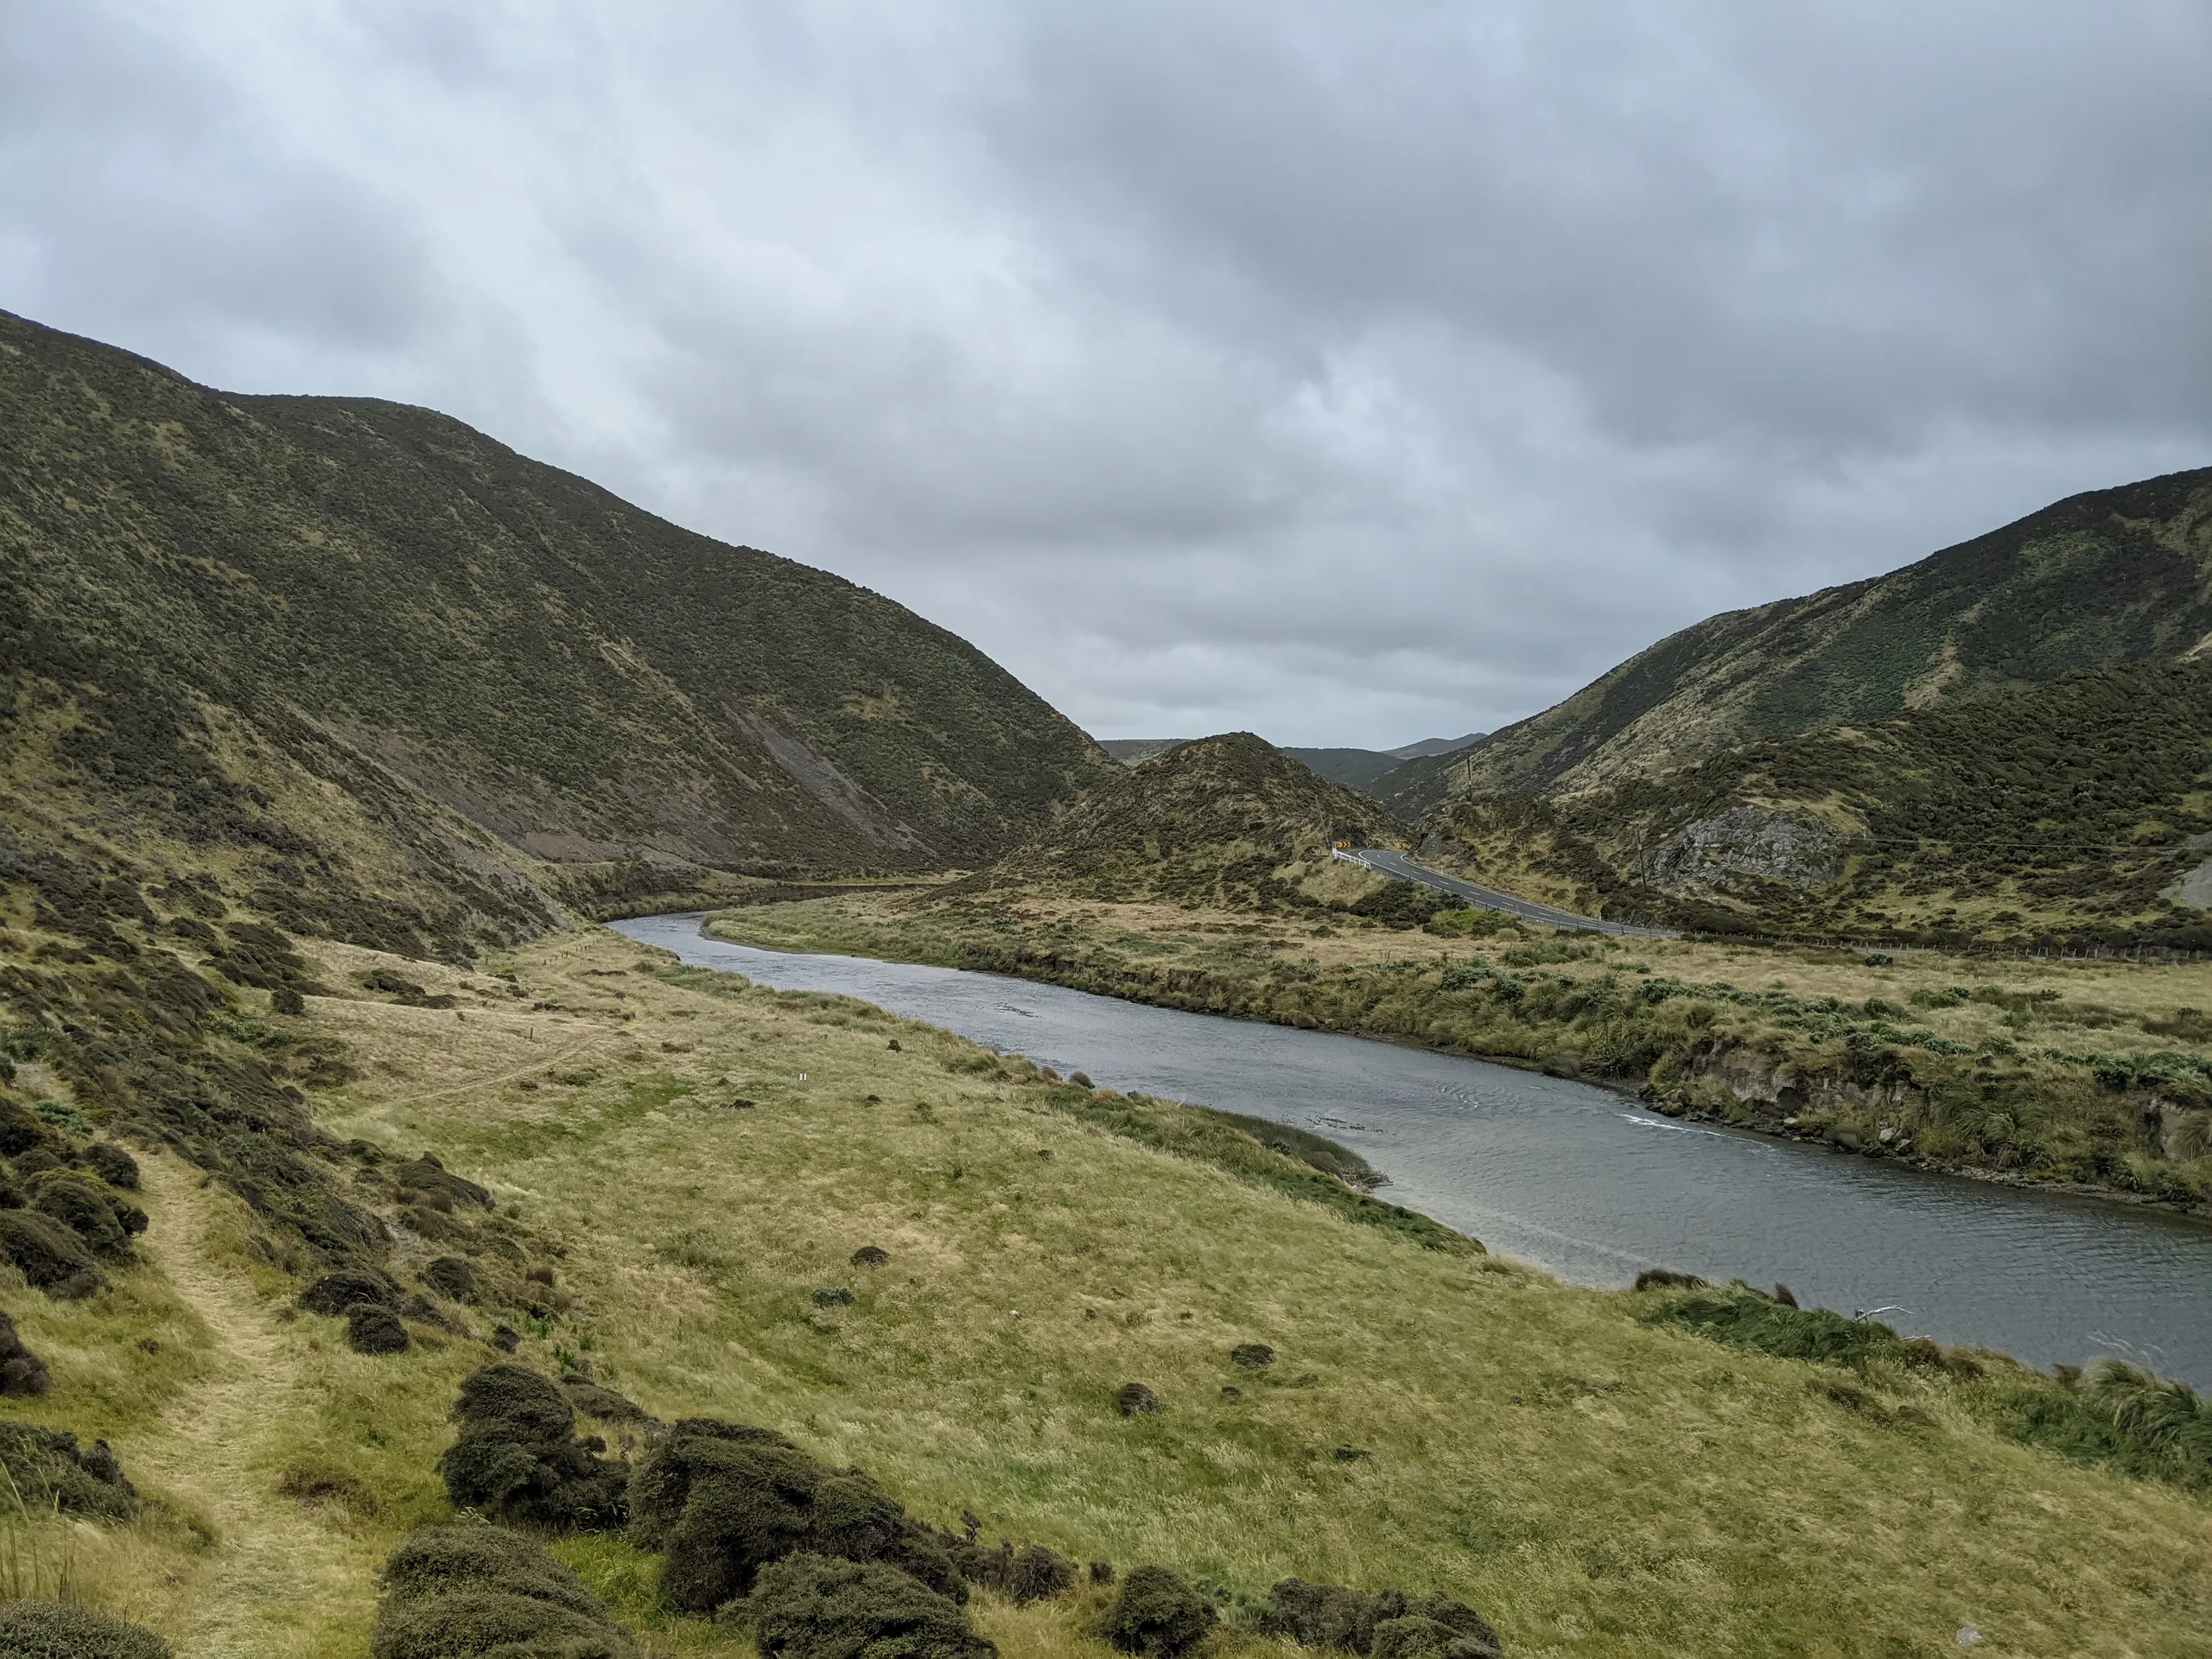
x=1349, y=373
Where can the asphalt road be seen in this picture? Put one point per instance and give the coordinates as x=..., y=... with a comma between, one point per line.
x=1385, y=863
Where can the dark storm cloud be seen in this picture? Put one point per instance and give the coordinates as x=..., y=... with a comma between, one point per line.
x=1349, y=373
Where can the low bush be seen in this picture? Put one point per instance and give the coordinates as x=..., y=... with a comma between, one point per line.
x=60, y=1630
x=22, y=1373
x=50, y=1471
x=1387, y=1624
x=1158, y=1612
x=452, y=1277
x=19, y=1131
x=47, y=1254
x=1417, y=1636
x=333, y=1293
x=372, y=1328
x=1133, y=1399
x=518, y=1458
x=1020, y=1572
x=723, y=1500
x=104, y=1221
x=467, y=1590
x=426, y=1174
x=112, y=1165
x=812, y=1606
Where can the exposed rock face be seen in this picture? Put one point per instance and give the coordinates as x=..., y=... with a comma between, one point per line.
x=1795, y=849
x=2194, y=889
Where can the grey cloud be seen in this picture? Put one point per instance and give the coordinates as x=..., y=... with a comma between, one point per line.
x=1344, y=373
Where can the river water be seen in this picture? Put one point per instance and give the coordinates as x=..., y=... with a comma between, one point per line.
x=1588, y=1184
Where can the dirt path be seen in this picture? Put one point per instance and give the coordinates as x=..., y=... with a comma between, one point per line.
x=275, y=1564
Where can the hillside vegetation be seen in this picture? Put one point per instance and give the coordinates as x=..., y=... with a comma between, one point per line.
x=2071, y=816
x=2096, y=582
x=376, y=599
x=942, y=1266
x=1218, y=819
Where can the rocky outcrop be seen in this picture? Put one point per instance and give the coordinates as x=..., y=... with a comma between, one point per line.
x=1795, y=849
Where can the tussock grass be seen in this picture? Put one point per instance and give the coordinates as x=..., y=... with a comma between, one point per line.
x=1590, y=1483
x=2093, y=1073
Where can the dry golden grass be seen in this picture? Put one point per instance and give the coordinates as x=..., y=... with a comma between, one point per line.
x=1594, y=1485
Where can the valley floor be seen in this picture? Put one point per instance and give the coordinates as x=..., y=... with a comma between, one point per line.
x=2092, y=1074
x=694, y=1158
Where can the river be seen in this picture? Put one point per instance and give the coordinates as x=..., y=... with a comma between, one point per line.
x=1590, y=1185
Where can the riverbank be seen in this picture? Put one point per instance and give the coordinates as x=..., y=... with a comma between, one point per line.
x=2092, y=1077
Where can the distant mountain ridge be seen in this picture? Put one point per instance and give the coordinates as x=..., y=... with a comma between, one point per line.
x=2095, y=581
x=1429, y=746
x=1355, y=768
x=359, y=601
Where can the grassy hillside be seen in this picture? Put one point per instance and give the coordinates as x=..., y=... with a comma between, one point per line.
x=1218, y=818
x=380, y=597
x=2095, y=581
x=1353, y=768
x=2073, y=814
x=1596, y=1473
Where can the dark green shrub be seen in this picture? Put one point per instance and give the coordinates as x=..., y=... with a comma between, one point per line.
x=286, y=999
x=1415, y=1636
x=58, y=1630
x=452, y=1277
x=1387, y=1623
x=457, y=1591
x=1158, y=1612
x=47, y=1254
x=725, y=1499
x=22, y=1373
x=19, y=1131
x=1132, y=1399
x=1253, y=1355
x=426, y=1174
x=372, y=1328
x=810, y=1606
x=1021, y=1573
x=49, y=1469
x=112, y=1165
x=81, y=1206
x=662, y=1484
x=518, y=1458
x=333, y=1293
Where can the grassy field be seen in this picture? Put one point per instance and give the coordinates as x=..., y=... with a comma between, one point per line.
x=2095, y=1073
x=1434, y=1418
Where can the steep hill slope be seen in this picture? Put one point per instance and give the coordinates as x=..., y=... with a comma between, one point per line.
x=1354, y=768
x=2079, y=811
x=2098, y=581
x=1215, y=819
x=383, y=585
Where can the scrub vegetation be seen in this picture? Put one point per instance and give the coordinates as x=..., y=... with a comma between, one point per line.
x=2095, y=583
